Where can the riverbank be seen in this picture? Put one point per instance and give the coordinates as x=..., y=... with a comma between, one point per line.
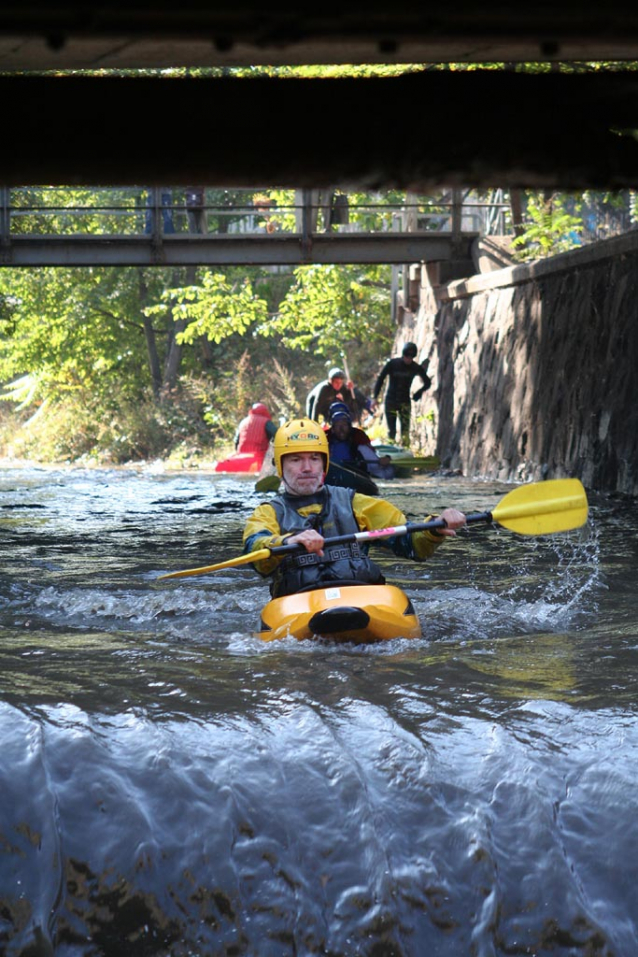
x=88, y=431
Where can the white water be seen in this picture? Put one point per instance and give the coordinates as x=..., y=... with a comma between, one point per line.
x=172, y=786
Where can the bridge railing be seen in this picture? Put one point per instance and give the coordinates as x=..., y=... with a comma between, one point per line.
x=159, y=212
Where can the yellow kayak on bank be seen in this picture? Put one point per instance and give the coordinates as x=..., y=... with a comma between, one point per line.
x=362, y=614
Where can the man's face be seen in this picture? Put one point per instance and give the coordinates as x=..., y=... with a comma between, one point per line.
x=337, y=383
x=303, y=472
x=341, y=428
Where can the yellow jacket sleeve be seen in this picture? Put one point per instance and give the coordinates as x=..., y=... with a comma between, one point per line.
x=262, y=531
x=374, y=513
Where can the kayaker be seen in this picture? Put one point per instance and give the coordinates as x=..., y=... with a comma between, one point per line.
x=308, y=511
x=255, y=431
x=351, y=446
x=400, y=372
x=336, y=388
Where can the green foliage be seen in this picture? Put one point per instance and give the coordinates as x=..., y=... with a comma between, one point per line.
x=284, y=218
x=549, y=228
x=304, y=71
x=21, y=392
x=191, y=425
x=67, y=210
x=73, y=329
x=331, y=306
x=216, y=307
x=247, y=381
x=83, y=427
x=86, y=389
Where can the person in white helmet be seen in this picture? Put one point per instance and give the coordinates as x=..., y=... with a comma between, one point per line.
x=336, y=388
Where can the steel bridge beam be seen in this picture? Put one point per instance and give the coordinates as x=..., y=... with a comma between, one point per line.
x=234, y=250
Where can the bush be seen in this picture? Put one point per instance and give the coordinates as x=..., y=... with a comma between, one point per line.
x=192, y=423
x=79, y=429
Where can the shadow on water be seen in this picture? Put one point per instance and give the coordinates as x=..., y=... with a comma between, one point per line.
x=171, y=786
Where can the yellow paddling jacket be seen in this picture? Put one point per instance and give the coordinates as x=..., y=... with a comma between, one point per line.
x=332, y=512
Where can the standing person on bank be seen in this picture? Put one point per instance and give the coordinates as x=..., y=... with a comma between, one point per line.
x=308, y=511
x=400, y=372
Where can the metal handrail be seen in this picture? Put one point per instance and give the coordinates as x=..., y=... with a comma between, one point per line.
x=152, y=214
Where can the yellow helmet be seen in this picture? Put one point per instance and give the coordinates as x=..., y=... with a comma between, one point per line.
x=299, y=435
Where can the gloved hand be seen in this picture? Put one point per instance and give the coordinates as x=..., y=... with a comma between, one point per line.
x=417, y=395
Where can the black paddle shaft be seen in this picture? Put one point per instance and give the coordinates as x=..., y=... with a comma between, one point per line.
x=373, y=534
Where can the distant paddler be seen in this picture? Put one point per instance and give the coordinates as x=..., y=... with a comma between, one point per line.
x=350, y=446
x=252, y=438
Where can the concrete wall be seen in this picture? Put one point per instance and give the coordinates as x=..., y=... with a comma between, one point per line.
x=534, y=368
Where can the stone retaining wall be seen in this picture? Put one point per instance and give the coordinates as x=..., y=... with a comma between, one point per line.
x=534, y=368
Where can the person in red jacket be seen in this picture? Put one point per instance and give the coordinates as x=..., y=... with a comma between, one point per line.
x=255, y=431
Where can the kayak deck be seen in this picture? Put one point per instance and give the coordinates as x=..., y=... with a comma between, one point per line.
x=358, y=613
x=405, y=463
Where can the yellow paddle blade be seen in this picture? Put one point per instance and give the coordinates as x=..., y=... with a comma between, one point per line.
x=543, y=508
x=205, y=569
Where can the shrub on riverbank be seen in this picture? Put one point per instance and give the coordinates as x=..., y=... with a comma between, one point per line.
x=76, y=429
x=191, y=425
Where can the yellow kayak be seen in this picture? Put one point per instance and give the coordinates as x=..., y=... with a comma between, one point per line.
x=362, y=614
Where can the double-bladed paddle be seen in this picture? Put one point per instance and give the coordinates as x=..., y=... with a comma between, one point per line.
x=542, y=508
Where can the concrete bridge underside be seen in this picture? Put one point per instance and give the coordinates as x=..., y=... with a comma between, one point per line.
x=479, y=128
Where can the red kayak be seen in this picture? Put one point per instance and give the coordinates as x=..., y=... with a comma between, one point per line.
x=249, y=462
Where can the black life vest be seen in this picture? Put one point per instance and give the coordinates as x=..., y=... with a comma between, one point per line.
x=345, y=562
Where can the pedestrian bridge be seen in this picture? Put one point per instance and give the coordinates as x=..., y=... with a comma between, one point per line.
x=129, y=226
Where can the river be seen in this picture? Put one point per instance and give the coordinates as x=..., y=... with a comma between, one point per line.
x=172, y=786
